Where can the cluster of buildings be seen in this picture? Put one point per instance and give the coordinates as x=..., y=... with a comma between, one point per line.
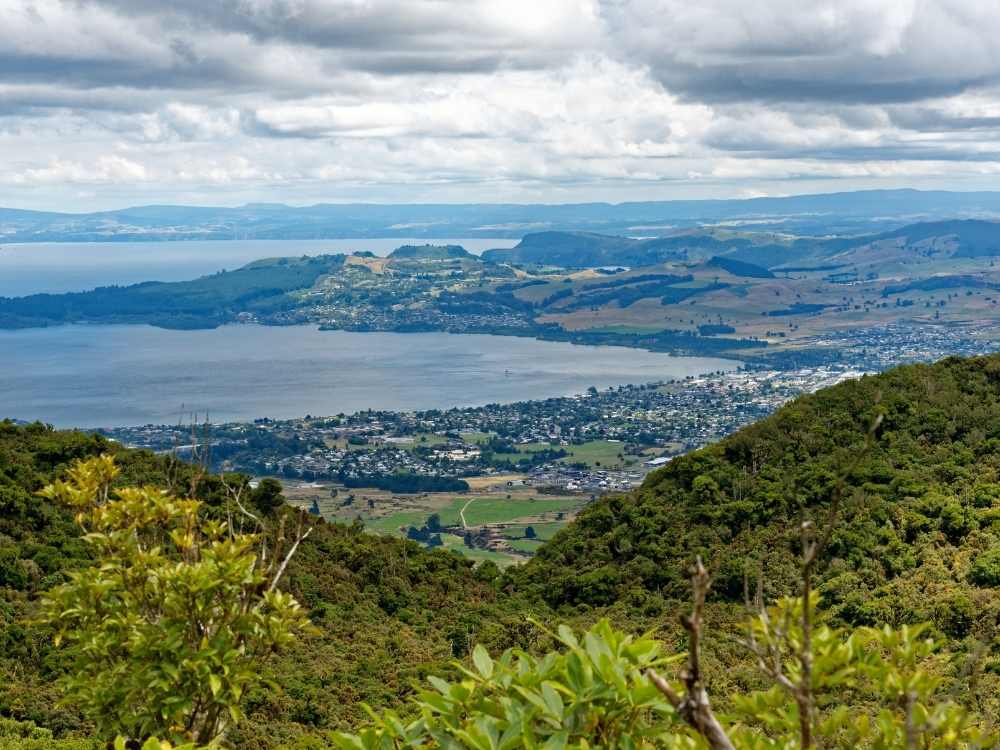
x=413, y=294
x=326, y=463
x=587, y=481
x=648, y=423
x=373, y=318
x=884, y=346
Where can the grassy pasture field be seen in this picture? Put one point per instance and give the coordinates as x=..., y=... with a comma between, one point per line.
x=764, y=308
x=488, y=510
x=474, y=438
x=597, y=454
x=544, y=530
x=492, y=481
x=456, y=544
x=526, y=545
x=385, y=513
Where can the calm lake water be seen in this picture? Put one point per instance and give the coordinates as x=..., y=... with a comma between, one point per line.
x=31, y=268
x=103, y=376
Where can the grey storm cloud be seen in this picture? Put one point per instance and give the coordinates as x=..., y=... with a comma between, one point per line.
x=919, y=118
x=714, y=51
x=280, y=47
x=853, y=51
x=381, y=36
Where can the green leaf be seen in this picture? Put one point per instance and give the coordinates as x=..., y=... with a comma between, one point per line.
x=566, y=636
x=347, y=741
x=440, y=685
x=483, y=662
x=552, y=700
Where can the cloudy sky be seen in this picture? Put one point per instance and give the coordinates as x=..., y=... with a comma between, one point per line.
x=105, y=103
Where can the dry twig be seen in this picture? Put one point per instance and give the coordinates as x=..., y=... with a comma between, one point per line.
x=694, y=706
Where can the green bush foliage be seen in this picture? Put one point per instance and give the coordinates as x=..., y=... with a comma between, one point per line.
x=594, y=691
x=387, y=612
x=26, y=735
x=167, y=631
x=985, y=571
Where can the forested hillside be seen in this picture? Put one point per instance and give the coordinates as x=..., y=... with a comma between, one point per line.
x=969, y=238
x=259, y=287
x=917, y=539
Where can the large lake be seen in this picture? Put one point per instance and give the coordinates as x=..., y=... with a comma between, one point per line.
x=103, y=376
x=36, y=267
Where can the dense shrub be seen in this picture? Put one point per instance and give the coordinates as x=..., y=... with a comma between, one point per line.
x=985, y=571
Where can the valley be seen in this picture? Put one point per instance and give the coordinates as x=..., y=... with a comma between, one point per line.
x=916, y=542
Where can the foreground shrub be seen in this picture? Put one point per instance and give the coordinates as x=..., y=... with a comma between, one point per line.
x=166, y=632
x=868, y=689
x=594, y=692
x=26, y=735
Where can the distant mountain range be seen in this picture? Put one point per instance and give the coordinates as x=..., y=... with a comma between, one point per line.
x=834, y=213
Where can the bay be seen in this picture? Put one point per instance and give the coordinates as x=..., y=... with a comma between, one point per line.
x=104, y=376
x=56, y=267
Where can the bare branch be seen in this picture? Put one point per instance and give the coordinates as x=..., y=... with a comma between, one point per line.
x=284, y=563
x=236, y=493
x=694, y=706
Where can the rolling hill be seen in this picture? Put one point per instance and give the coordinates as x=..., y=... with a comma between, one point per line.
x=430, y=252
x=207, y=302
x=968, y=238
x=588, y=250
x=717, y=291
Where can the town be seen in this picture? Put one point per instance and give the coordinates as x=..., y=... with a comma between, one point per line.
x=591, y=442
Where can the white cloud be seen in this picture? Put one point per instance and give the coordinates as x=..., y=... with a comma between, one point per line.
x=402, y=100
x=104, y=169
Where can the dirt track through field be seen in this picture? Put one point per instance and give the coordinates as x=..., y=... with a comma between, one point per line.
x=461, y=513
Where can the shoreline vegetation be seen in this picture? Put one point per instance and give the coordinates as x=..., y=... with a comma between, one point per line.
x=765, y=298
x=260, y=293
